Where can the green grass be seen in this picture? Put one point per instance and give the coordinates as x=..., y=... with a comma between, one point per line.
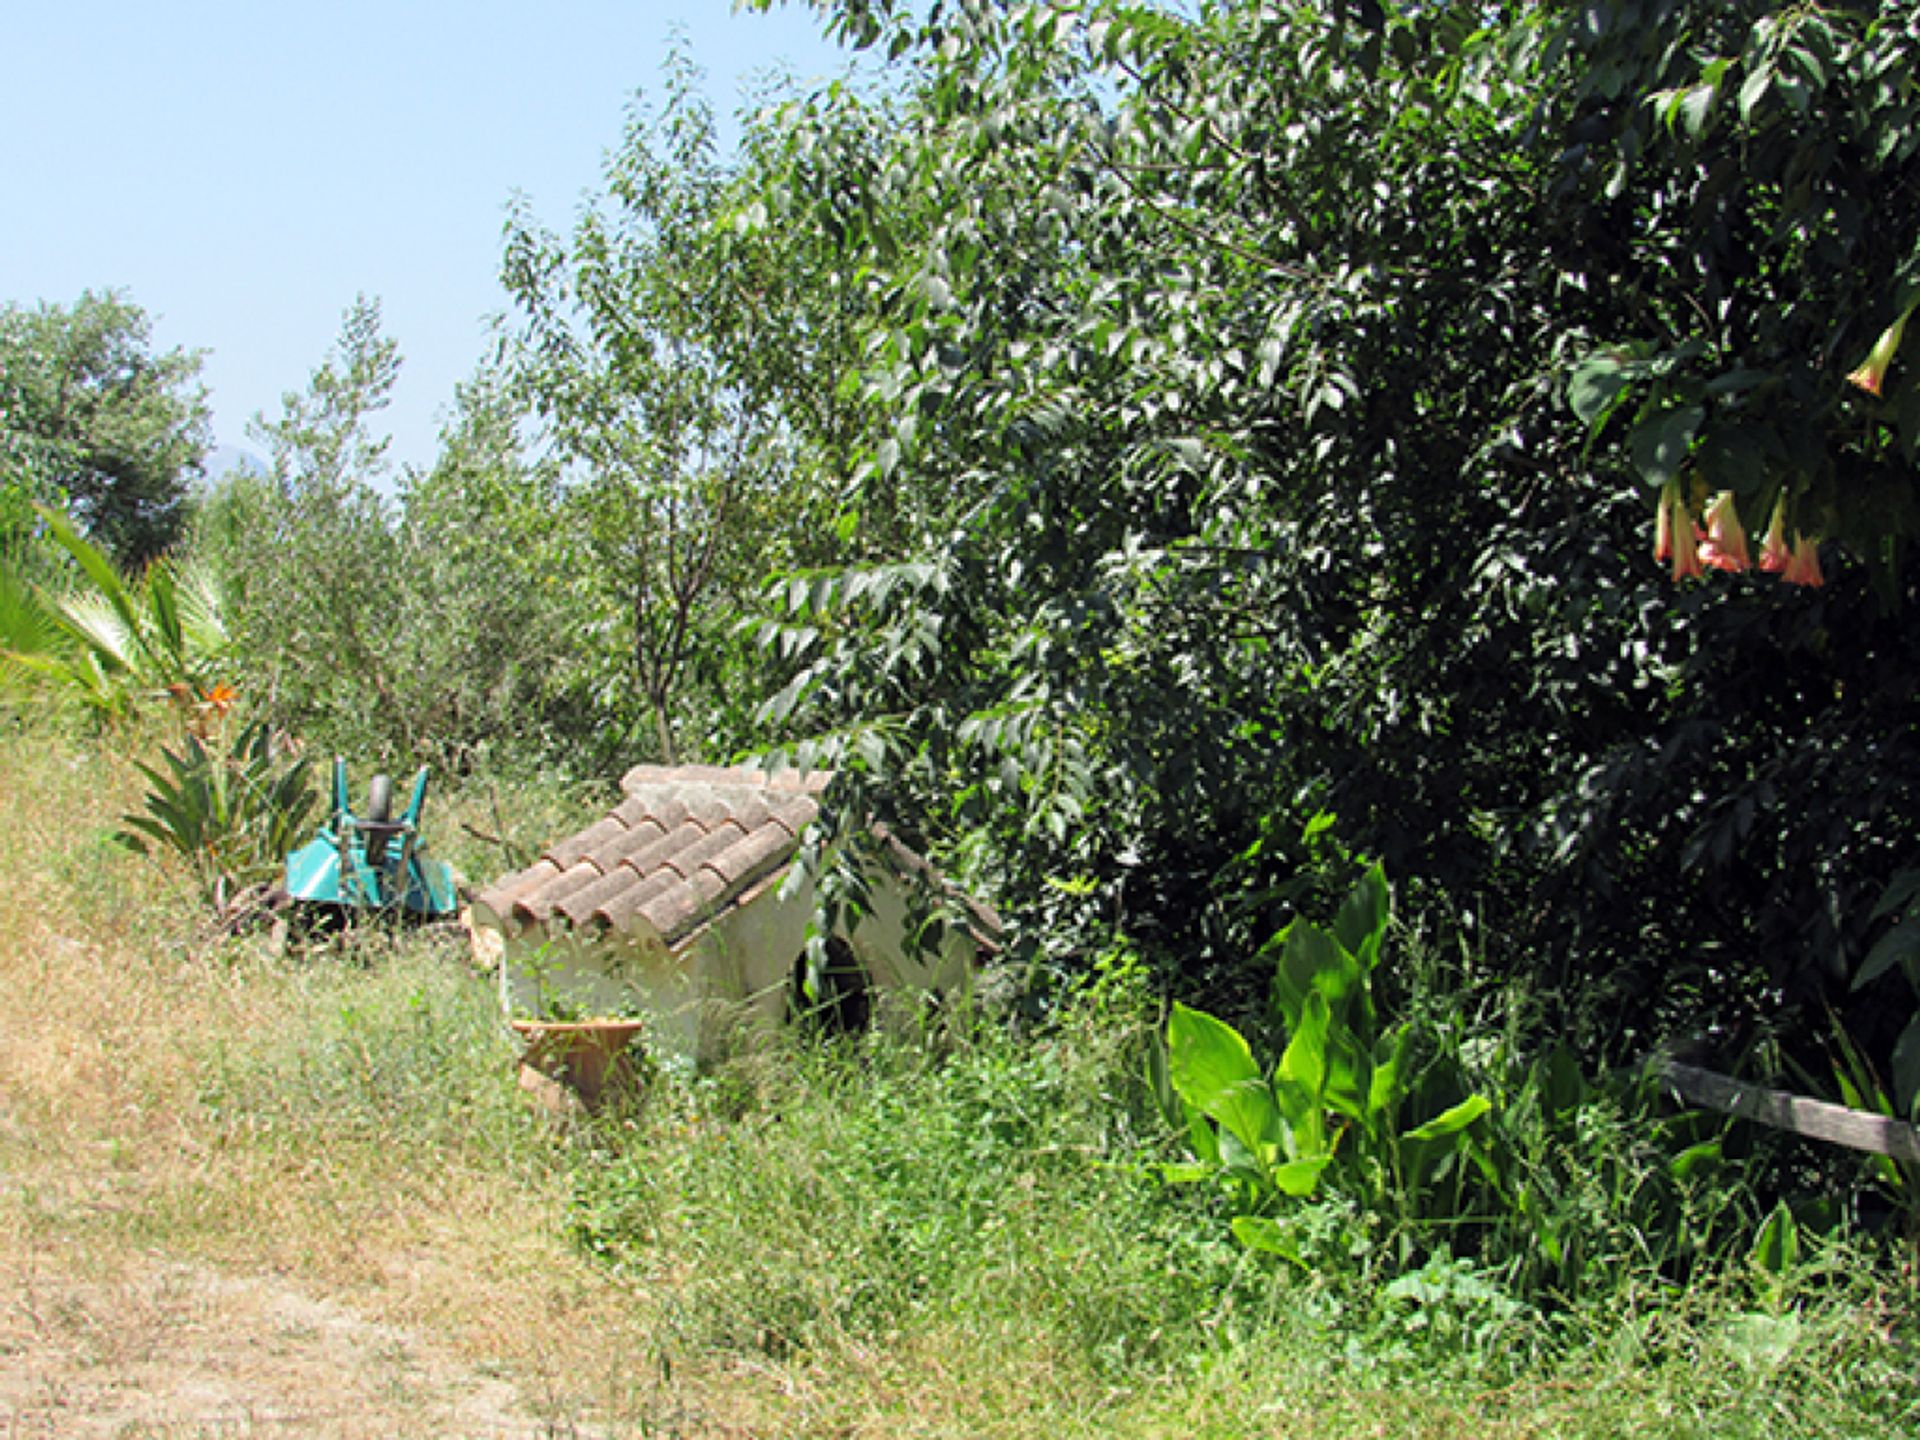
x=984, y=1211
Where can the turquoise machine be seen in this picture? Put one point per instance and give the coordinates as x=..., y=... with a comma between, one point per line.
x=372, y=862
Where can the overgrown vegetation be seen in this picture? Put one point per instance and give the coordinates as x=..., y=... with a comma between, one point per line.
x=1179, y=467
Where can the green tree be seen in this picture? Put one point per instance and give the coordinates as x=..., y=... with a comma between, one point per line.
x=310, y=555
x=1307, y=380
x=90, y=415
x=684, y=369
x=488, y=645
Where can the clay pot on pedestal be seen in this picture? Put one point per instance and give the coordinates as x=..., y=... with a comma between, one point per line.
x=590, y=1057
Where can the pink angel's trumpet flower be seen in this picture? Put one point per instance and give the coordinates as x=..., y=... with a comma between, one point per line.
x=1725, y=547
x=1663, y=529
x=1774, y=556
x=1804, y=566
x=1872, y=373
x=1686, y=544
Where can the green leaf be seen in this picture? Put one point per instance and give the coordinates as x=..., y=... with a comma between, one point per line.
x=1597, y=384
x=1906, y=1070
x=1388, y=1085
x=1300, y=1178
x=1257, y=1232
x=1349, y=1084
x=1777, y=1248
x=1659, y=444
x=1361, y=925
x=1186, y=1174
x=1300, y=1082
x=1901, y=892
x=1305, y=1061
x=1694, y=1160
x=1454, y=1120
x=1899, y=946
x=1212, y=1068
x=1311, y=962
x=1160, y=1084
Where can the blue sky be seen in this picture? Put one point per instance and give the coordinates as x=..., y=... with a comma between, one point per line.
x=243, y=168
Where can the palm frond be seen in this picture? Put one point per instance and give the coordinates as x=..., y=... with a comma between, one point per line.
x=102, y=629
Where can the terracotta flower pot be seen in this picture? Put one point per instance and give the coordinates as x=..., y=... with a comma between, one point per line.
x=589, y=1057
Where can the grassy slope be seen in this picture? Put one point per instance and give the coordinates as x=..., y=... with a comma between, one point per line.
x=811, y=1246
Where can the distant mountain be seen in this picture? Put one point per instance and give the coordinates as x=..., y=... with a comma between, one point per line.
x=226, y=459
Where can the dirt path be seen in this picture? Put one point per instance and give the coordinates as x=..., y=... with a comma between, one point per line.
x=176, y=1351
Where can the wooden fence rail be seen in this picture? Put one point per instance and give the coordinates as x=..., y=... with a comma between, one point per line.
x=1816, y=1119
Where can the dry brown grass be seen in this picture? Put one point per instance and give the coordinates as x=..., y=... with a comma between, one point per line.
x=199, y=1237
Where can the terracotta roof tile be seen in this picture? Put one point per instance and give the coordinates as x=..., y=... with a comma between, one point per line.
x=627, y=911
x=609, y=854
x=686, y=861
x=501, y=897
x=580, y=905
x=684, y=843
x=753, y=854
x=588, y=840
x=537, y=904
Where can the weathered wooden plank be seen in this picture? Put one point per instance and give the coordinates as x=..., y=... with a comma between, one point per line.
x=1816, y=1119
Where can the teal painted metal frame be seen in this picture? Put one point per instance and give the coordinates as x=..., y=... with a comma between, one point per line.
x=372, y=864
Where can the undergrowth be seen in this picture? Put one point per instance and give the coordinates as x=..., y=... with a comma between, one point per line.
x=959, y=1234
x=988, y=1200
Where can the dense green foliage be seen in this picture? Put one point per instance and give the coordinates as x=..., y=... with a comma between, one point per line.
x=1309, y=376
x=92, y=416
x=684, y=358
x=417, y=621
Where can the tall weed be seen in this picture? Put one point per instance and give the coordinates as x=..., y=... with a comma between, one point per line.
x=839, y=1195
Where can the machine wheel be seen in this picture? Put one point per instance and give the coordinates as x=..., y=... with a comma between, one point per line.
x=379, y=812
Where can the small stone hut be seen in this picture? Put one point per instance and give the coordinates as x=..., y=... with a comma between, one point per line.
x=675, y=905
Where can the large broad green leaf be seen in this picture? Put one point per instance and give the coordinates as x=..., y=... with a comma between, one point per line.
x=1300, y=1178
x=1361, y=925
x=1311, y=961
x=1597, y=384
x=1300, y=1082
x=1201, y=1136
x=1899, y=946
x=1387, y=1085
x=1452, y=1121
x=1304, y=1062
x=1349, y=1084
x=1213, y=1070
